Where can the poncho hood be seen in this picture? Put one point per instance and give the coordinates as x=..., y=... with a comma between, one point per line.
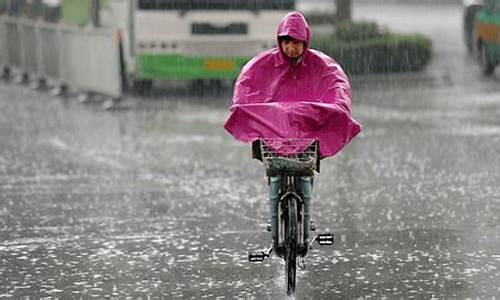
x=294, y=25
x=277, y=98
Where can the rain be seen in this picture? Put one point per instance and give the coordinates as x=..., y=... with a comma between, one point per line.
x=146, y=196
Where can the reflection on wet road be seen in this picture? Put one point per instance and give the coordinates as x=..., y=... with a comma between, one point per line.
x=159, y=201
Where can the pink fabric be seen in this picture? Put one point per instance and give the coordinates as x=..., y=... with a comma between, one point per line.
x=288, y=146
x=275, y=97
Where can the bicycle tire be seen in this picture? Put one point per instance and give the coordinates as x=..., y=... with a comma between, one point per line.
x=291, y=245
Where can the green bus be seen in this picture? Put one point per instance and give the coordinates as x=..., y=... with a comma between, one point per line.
x=487, y=35
x=184, y=39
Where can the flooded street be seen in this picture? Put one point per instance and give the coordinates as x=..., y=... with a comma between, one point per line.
x=158, y=201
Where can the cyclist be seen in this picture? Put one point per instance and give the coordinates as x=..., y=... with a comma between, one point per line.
x=292, y=91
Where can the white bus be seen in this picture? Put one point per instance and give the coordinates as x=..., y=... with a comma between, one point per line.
x=186, y=39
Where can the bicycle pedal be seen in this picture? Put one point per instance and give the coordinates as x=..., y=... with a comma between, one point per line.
x=257, y=257
x=325, y=239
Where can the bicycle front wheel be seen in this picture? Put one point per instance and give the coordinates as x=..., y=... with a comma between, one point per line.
x=291, y=245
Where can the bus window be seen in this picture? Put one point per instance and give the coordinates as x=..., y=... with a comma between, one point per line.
x=207, y=28
x=216, y=4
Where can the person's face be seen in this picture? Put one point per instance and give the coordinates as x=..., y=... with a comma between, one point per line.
x=292, y=48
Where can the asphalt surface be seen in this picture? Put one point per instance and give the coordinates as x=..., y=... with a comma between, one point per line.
x=156, y=201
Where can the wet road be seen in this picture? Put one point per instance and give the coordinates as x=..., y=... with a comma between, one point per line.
x=158, y=201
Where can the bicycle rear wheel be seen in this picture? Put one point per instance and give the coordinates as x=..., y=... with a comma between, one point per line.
x=291, y=245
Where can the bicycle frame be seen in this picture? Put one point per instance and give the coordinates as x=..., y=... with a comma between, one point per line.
x=289, y=225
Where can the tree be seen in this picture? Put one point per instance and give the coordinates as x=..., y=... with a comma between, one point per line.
x=344, y=11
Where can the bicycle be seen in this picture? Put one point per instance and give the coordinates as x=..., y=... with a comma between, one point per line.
x=290, y=167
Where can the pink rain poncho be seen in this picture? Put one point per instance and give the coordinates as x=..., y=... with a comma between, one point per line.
x=277, y=98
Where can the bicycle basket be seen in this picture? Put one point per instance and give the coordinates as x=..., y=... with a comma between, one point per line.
x=287, y=160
